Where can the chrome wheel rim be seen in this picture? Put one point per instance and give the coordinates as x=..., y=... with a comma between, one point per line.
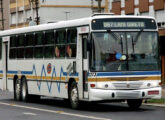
x=74, y=96
x=23, y=92
x=17, y=89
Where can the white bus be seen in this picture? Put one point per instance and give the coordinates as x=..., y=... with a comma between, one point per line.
x=99, y=58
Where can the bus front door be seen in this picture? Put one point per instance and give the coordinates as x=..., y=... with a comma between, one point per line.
x=5, y=61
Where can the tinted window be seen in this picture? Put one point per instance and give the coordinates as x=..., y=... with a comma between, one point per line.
x=49, y=37
x=61, y=37
x=48, y=52
x=71, y=43
x=20, y=52
x=39, y=38
x=38, y=52
x=29, y=52
x=60, y=43
x=29, y=39
x=13, y=53
x=13, y=41
x=20, y=40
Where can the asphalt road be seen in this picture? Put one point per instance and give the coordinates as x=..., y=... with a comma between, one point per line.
x=53, y=109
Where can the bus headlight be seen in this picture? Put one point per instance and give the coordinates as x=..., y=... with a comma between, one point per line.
x=99, y=85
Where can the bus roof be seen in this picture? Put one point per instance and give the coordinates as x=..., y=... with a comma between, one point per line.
x=64, y=24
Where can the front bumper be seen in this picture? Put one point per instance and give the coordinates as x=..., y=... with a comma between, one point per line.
x=102, y=94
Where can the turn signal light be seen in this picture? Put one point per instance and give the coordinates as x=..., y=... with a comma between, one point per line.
x=92, y=85
x=155, y=92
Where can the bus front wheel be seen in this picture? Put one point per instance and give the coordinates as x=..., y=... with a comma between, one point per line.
x=73, y=95
x=134, y=104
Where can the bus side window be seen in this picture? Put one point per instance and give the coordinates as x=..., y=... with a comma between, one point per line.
x=38, y=50
x=29, y=45
x=0, y=48
x=13, y=49
x=20, y=46
x=49, y=44
x=71, y=43
x=60, y=44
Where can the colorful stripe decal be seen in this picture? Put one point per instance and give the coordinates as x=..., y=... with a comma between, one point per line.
x=110, y=79
x=99, y=74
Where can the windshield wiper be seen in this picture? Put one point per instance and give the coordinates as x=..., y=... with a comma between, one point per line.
x=136, y=38
x=116, y=37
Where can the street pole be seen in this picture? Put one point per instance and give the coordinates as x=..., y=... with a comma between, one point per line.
x=66, y=13
x=37, y=15
x=99, y=6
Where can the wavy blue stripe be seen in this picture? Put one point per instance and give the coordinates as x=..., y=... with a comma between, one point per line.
x=128, y=73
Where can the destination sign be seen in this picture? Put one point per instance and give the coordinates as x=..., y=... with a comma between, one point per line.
x=123, y=23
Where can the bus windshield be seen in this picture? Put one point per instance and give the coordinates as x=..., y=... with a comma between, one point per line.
x=124, y=51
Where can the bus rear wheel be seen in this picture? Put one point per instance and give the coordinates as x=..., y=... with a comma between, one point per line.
x=24, y=90
x=134, y=104
x=73, y=96
x=17, y=90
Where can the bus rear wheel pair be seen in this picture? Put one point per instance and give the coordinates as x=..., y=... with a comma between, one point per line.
x=21, y=91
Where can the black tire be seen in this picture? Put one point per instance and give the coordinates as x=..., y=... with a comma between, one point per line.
x=134, y=104
x=17, y=90
x=24, y=90
x=73, y=96
x=26, y=97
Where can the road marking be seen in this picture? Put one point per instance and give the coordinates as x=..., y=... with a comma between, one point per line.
x=57, y=112
x=27, y=113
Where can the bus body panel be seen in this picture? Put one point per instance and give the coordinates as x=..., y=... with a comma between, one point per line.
x=51, y=76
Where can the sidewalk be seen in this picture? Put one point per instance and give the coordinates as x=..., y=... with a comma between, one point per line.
x=163, y=91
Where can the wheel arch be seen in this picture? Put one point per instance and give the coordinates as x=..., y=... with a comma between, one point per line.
x=71, y=80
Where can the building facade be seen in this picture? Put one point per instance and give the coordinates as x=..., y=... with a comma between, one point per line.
x=153, y=8
x=4, y=14
x=22, y=11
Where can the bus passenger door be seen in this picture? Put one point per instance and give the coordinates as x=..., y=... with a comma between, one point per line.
x=85, y=65
x=82, y=62
x=5, y=41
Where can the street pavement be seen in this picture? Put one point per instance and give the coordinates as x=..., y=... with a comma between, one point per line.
x=53, y=109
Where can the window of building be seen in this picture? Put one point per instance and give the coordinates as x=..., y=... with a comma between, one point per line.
x=13, y=18
x=71, y=43
x=60, y=45
x=21, y=17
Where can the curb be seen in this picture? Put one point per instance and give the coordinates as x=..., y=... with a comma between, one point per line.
x=156, y=105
